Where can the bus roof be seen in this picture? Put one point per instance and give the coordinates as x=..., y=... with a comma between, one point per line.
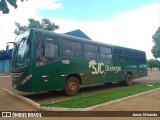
x=81, y=39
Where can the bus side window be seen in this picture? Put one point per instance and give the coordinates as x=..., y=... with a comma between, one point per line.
x=51, y=50
x=72, y=49
x=47, y=50
x=105, y=53
x=91, y=51
x=117, y=58
x=117, y=51
x=126, y=58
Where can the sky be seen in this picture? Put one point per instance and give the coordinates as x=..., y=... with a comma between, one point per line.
x=128, y=23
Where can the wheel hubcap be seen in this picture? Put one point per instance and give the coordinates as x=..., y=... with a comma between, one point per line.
x=72, y=86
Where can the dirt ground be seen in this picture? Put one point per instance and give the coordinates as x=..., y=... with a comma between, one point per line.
x=11, y=103
x=147, y=102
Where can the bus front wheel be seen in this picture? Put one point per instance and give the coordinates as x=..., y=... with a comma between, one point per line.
x=71, y=86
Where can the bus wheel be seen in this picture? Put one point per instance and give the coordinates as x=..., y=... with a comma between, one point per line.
x=129, y=80
x=71, y=86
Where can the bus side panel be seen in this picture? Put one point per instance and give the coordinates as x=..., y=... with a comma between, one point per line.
x=142, y=70
x=47, y=77
x=120, y=75
x=80, y=67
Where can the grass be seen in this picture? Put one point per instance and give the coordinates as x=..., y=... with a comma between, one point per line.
x=95, y=99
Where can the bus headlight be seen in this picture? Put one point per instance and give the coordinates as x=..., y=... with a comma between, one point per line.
x=26, y=79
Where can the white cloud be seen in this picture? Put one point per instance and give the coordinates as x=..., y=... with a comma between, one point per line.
x=133, y=29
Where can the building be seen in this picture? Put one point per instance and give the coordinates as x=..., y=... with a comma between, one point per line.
x=78, y=33
x=5, y=61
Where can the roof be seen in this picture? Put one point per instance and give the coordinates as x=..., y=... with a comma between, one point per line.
x=78, y=33
x=4, y=55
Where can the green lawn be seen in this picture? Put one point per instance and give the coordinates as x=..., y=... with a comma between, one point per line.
x=95, y=99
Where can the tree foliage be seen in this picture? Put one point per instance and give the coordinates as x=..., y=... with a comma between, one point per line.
x=4, y=7
x=156, y=48
x=45, y=24
x=153, y=63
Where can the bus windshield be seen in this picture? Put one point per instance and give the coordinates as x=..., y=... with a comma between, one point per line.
x=21, y=53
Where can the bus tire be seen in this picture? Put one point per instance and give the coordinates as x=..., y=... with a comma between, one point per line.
x=129, y=80
x=71, y=86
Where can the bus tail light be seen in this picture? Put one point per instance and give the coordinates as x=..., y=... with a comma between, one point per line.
x=26, y=79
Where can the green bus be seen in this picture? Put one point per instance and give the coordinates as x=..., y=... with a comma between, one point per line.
x=46, y=61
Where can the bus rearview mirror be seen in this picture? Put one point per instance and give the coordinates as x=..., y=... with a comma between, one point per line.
x=7, y=48
x=7, y=45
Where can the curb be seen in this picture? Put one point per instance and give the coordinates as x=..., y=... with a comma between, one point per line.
x=36, y=105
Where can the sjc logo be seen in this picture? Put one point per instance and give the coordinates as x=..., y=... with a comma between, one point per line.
x=97, y=67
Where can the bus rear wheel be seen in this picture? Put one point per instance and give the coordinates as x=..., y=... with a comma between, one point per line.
x=129, y=80
x=71, y=86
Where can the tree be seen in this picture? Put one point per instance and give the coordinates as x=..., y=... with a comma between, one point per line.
x=4, y=7
x=156, y=48
x=150, y=63
x=157, y=63
x=45, y=24
x=153, y=63
x=19, y=28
